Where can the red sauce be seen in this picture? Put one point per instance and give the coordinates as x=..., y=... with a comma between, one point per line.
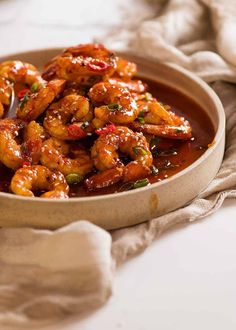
x=172, y=156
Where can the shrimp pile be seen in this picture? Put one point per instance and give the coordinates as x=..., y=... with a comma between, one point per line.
x=85, y=120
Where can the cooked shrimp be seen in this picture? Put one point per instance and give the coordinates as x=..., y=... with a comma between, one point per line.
x=34, y=104
x=182, y=132
x=55, y=156
x=105, y=178
x=125, y=69
x=155, y=119
x=81, y=61
x=105, y=156
x=134, y=86
x=153, y=112
x=5, y=94
x=34, y=135
x=114, y=103
x=1, y=110
x=22, y=72
x=64, y=114
x=39, y=178
x=10, y=151
x=179, y=128
x=13, y=154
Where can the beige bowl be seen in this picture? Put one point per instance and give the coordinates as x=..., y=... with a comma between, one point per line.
x=131, y=207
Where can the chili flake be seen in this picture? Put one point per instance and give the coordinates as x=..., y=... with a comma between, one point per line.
x=76, y=131
x=107, y=129
x=22, y=93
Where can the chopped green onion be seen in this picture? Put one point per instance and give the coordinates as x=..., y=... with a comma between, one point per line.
x=141, y=120
x=139, y=151
x=126, y=186
x=73, y=178
x=24, y=101
x=148, y=96
x=34, y=88
x=141, y=183
x=154, y=170
x=114, y=106
x=134, y=185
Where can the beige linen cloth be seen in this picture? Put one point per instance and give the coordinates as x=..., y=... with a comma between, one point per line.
x=47, y=276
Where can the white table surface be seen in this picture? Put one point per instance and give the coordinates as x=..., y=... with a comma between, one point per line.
x=187, y=278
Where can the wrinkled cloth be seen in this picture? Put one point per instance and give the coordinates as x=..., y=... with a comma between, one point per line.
x=49, y=275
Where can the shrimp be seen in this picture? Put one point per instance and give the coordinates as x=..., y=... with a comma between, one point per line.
x=81, y=62
x=155, y=119
x=69, y=110
x=181, y=132
x=153, y=112
x=39, y=178
x=106, y=158
x=21, y=72
x=174, y=127
x=12, y=153
x=134, y=86
x=5, y=94
x=105, y=178
x=125, y=69
x=54, y=156
x=34, y=104
x=34, y=135
x=114, y=103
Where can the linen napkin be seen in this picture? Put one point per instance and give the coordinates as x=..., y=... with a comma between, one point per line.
x=47, y=276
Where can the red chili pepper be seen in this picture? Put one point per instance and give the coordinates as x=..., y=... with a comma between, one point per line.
x=22, y=93
x=25, y=164
x=97, y=65
x=76, y=132
x=108, y=129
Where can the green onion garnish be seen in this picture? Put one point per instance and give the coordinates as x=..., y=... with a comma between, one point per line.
x=134, y=185
x=114, y=106
x=141, y=120
x=34, y=88
x=73, y=178
x=141, y=183
x=24, y=101
x=148, y=96
x=139, y=151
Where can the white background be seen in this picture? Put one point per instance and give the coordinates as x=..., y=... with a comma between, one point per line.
x=187, y=278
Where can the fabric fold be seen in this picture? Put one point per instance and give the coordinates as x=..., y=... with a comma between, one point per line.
x=49, y=275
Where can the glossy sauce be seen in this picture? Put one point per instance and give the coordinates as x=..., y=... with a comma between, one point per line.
x=171, y=156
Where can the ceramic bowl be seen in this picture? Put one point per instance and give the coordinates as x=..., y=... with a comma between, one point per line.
x=135, y=206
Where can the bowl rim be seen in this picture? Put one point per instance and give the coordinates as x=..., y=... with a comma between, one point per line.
x=182, y=71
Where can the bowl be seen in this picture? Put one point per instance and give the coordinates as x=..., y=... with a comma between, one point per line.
x=131, y=207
